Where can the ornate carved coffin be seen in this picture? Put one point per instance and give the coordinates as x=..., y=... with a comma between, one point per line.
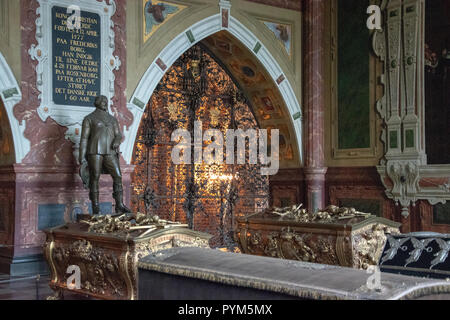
x=346, y=238
x=107, y=253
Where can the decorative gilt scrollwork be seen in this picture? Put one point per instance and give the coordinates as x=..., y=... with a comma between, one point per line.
x=368, y=244
x=334, y=236
x=108, y=261
x=289, y=244
x=100, y=270
x=327, y=215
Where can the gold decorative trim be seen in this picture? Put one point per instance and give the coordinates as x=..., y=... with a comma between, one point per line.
x=129, y=282
x=50, y=245
x=108, y=261
x=342, y=252
x=243, y=238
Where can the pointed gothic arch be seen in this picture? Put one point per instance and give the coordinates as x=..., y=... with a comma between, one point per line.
x=185, y=40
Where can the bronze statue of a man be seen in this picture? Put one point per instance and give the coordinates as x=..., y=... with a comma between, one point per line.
x=99, y=150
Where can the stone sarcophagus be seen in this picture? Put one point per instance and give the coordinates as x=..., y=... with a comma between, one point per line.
x=334, y=236
x=104, y=252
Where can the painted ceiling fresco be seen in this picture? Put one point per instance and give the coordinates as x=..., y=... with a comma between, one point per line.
x=267, y=103
x=156, y=13
x=283, y=33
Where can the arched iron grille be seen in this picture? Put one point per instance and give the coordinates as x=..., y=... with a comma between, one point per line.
x=207, y=197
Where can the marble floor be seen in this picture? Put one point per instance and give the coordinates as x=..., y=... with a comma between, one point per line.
x=24, y=288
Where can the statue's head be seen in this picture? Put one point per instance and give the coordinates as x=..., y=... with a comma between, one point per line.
x=101, y=102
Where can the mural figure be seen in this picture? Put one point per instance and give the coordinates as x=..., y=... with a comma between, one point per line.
x=282, y=32
x=156, y=14
x=99, y=153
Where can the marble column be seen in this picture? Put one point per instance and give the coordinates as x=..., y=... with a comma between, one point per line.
x=314, y=101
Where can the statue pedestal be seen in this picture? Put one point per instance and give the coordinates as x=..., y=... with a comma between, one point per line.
x=108, y=261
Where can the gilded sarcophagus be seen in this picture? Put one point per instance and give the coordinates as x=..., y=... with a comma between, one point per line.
x=103, y=252
x=334, y=236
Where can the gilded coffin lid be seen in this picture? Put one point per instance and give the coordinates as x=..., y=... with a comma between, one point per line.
x=350, y=224
x=77, y=230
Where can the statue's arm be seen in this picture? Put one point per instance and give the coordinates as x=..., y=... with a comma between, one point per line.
x=85, y=131
x=117, y=135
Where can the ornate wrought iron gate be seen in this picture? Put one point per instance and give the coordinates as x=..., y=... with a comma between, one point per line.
x=207, y=197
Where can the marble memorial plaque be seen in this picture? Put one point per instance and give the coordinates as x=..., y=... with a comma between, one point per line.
x=75, y=46
x=76, y=59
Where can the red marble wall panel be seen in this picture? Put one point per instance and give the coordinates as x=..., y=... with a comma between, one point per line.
x=48, y=142
x=119, y=101
x=433, y=182
x=35, y=185
x=48, y=174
